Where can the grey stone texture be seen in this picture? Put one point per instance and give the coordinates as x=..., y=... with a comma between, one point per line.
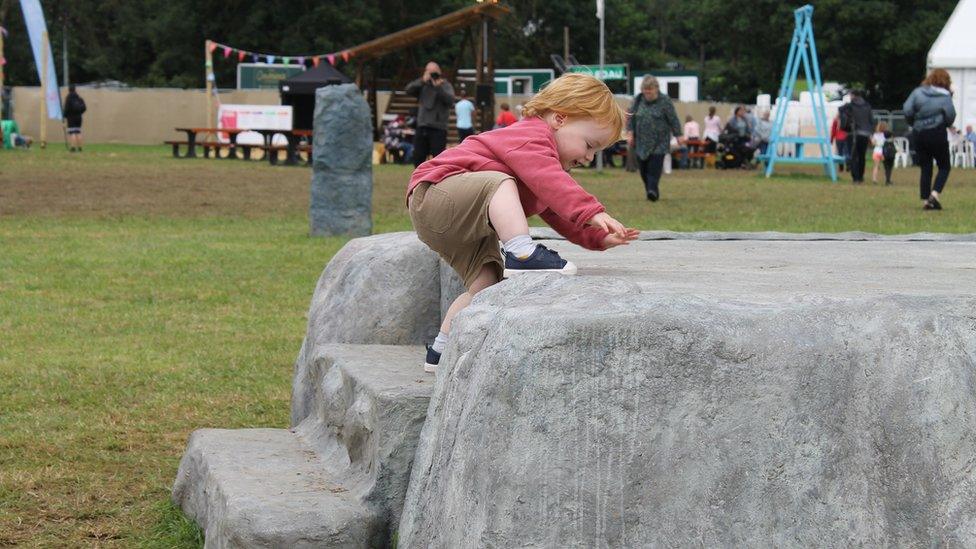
x=342, y=170
x=787, y=390
x=361, y=408
x=383, y=289
x=264, y=488
x=703, y=393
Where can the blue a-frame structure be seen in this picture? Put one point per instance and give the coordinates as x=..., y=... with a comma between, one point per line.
x=803, y=51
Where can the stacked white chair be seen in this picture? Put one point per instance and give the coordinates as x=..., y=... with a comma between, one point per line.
x=960, y=158
x=901, y=152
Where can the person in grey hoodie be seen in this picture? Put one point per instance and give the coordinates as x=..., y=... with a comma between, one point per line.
x=436, y=98
x=929, y=111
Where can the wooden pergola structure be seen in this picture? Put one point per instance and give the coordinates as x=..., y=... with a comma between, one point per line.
x=480, y=16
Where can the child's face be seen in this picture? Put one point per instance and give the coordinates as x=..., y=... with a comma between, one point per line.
x=578, y=139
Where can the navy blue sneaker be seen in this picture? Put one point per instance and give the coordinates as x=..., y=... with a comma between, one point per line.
x=542, y=260
x=433, y=357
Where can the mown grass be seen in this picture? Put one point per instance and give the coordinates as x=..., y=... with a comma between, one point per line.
x=142, y=297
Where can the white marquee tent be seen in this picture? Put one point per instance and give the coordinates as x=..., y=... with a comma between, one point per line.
x=955, y=51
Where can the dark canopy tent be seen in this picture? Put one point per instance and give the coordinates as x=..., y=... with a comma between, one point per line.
x=299, y=92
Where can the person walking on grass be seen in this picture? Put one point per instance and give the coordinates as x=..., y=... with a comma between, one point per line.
x=467, y=199
x=880, y=139
x=652, y=122
x=74, y=107
x=929, y=110
x=857, y=120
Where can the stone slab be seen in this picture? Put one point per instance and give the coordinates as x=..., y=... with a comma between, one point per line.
x=361, y=408
x=710, y=393
x=251, y=488
x=771, y=270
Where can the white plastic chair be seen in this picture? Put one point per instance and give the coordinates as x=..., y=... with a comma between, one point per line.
x=901, y=152
x=969, y=153
x=958, y=155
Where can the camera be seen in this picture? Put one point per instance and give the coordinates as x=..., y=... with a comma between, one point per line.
x=435, y=75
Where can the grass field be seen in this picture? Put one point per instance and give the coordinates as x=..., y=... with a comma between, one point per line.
x=142, y=297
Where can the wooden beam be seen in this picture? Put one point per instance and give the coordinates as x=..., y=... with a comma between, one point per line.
x=428, y=30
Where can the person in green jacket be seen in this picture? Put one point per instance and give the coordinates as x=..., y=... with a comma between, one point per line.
x=652, y=122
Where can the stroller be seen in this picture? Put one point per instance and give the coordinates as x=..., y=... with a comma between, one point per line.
x=733, y=151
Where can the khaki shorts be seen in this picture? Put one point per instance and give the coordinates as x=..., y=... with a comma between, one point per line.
x=452, y=218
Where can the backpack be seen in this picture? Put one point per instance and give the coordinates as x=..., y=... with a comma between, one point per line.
x=888, y=150
x=846, y=120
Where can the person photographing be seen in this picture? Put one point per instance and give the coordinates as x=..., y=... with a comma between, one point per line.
x=435, y=98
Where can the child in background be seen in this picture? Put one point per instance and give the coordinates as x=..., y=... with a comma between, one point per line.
x=881, y=134
x=505, y=118
x=466, y=199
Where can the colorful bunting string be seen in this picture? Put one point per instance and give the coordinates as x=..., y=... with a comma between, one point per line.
x=314, y=60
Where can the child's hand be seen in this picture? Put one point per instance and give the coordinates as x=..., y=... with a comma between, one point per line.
x=612, y=240
x=609, y=224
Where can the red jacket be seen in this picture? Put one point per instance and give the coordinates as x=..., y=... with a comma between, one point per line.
x=505, y=119
x=837, y=134
x=525, y=150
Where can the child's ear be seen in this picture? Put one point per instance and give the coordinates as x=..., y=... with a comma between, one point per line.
x=558, y=119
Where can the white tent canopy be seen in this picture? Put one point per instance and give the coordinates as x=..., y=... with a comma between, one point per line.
x=955, y=51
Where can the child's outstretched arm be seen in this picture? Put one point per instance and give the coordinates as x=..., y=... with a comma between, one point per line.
x=591, y=236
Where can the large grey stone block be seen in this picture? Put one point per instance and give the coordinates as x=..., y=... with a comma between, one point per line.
x=342, y=170
x=710, y=394
x=250, y=488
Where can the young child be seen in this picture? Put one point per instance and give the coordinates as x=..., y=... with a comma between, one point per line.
x=878, y=139
x=505, y=117
x=466, y=199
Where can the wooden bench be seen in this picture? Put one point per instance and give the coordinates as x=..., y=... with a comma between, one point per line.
x=273, y=151
x=176, y=146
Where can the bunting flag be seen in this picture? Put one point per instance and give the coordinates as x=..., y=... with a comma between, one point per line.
x=212, y=46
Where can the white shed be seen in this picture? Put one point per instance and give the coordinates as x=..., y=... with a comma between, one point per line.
x=955, y=51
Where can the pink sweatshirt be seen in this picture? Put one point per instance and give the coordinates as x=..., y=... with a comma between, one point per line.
x=525, y=150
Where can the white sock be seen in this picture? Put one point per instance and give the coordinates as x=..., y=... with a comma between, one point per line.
x=439, y=343
x=520, y=246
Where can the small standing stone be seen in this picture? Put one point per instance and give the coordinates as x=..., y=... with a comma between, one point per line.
x=342, y=172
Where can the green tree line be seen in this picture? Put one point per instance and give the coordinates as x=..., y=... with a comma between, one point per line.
x=739, y=48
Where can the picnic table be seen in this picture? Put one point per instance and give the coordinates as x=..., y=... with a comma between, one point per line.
x=292, y=149
x=192, y=142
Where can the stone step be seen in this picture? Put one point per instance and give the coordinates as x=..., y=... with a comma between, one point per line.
x=265, y=488
x=362, y=408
